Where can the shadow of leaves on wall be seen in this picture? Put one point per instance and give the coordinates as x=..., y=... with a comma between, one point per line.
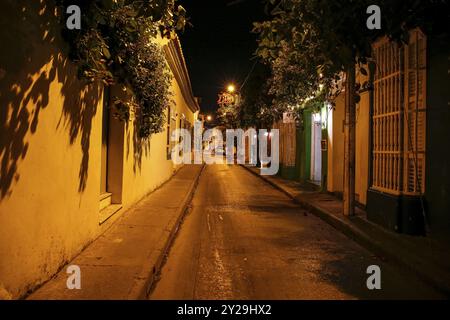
x=141, y=146
x=33, y=58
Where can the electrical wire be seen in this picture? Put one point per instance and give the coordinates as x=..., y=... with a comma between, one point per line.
x=248, y=75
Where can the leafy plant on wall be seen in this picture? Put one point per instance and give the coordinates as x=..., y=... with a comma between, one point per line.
x=116, y=45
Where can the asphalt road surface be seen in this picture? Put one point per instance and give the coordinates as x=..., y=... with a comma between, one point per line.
x=243, y=239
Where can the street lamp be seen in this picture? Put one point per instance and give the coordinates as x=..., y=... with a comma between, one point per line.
x=231, y=88
x=208, y=118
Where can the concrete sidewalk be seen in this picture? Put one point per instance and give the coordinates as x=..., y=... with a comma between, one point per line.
x=123, y=262
x=426, y=258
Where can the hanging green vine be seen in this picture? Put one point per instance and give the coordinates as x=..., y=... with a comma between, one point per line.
x=116, y=45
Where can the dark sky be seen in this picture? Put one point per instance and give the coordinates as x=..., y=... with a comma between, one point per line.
x=219, y=46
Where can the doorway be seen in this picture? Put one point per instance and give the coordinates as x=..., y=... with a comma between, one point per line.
x=105, y=196
x=111, y=165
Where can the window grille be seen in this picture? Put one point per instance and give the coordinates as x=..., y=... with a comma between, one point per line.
x=398, y=120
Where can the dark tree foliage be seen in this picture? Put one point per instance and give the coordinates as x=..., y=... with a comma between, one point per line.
x=255, y=98
x=116, y=45
x=309, y=44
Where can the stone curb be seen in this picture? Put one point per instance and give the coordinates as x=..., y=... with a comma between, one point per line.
x=346, y=227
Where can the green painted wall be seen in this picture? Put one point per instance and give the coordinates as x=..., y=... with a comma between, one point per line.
x=289, y=173
x=302, y=169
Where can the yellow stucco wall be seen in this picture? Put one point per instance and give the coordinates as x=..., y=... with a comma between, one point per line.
x=152, y=169
x=50, y=153
x=362, y=148
x=336, y=148
x=49, y=210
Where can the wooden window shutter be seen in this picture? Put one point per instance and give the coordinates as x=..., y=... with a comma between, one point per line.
x=288, y=140
x=415, y=114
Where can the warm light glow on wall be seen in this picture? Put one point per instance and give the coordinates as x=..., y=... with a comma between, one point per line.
x=317, y=117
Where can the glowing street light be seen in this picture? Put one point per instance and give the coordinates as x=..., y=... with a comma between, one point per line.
x=208, y=118
x=231, y=88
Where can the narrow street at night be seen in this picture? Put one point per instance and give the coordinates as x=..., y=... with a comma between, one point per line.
x=225, y=158
x=243, y=239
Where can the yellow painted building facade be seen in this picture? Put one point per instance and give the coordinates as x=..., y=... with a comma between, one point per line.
x=67, y=169
x=336, y=121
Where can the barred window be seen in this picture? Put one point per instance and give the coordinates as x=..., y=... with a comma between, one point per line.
x=398, y=119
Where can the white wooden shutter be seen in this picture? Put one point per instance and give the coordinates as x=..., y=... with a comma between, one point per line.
x=415, y=114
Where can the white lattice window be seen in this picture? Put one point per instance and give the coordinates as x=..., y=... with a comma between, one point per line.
x=398, y=120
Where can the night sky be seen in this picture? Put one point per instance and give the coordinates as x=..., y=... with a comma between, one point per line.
x=219, y=46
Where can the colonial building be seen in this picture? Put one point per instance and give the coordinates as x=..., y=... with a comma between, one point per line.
x=402, y=161
x=68, y=167
x=409, y=182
